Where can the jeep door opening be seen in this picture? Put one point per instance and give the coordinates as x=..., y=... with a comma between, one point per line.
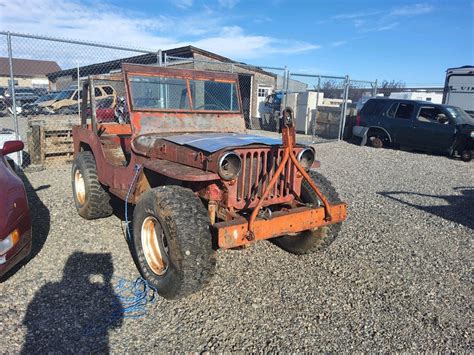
x=179, y=153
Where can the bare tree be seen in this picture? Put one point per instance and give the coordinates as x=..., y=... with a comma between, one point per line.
x=332, y=89
x=392, y=84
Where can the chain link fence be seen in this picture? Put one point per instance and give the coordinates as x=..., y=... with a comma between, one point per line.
x=41, y=80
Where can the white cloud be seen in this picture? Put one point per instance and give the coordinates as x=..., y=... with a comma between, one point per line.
x=359, y=23
x=362, y=20
x=236, y=44
x=412, y=10
x=381, y=27
x=183, y=4
x=355, y=15
x=229, y=4
x=101, y=22
x=338, y=43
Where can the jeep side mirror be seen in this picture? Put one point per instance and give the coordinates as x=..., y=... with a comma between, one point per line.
x=12, y=147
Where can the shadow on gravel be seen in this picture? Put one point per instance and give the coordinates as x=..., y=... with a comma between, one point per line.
x=75, y=314
x=458, y=210
x=40, y=220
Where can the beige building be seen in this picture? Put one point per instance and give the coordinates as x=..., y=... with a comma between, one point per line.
x=27, y=72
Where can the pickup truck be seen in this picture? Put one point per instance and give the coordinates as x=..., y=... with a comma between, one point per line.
x=419, y=125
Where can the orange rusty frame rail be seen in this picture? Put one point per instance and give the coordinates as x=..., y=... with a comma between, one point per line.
x=288, y=140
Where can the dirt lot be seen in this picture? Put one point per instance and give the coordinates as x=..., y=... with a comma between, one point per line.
x=398, y=278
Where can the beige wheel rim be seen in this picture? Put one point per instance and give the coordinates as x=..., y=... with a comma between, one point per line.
x=80, y=187
x=154, y=245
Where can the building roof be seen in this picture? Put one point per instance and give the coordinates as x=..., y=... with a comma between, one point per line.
x=27, y=67
x=187, y=51
x=150, y=58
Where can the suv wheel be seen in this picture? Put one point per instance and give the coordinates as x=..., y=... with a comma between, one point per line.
x=466, y=155
x=90, y=198
x=376, y=142
x=317, y=239
x=172, y=244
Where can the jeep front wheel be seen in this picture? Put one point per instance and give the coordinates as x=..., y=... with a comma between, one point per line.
x=90, y=198
x=317, y=239
x=172, y=244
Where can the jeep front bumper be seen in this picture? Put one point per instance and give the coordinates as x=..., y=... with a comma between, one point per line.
x=231, y=234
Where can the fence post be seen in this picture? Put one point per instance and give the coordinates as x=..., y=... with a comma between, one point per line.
x=315, y=120
x=78, y=89
x=286, y=81
x=13, y=96
x=160, y=60
x=375, y=88
x=342, y=124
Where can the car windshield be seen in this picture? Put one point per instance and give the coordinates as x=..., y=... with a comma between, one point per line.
x=66, y=94
x=161, y=93
x=460, y=116
x=46, y=98
x=105, y=103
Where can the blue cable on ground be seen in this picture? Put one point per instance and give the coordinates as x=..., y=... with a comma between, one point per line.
x=133, y=296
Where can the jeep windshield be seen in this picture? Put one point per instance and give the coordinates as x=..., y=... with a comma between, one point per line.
x=156, y=93
x=460, y=116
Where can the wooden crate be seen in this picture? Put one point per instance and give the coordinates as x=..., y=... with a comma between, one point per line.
x=50, y=138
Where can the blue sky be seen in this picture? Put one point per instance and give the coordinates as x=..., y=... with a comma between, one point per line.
x=411, y=41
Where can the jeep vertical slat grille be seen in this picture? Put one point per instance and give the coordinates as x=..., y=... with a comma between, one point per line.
x=258, y=167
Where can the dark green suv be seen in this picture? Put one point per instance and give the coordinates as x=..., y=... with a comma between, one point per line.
x=420, y=125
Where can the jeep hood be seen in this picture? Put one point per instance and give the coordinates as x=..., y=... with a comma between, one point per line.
x=212, y=142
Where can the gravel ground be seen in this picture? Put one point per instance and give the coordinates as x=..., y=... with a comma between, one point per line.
x=398, y=278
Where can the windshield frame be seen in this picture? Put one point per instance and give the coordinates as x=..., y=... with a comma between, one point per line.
x=187, y=80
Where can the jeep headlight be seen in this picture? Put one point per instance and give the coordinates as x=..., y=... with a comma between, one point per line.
x=306, y=158
x=229, y=165
x=9, y=242
x=472, y=134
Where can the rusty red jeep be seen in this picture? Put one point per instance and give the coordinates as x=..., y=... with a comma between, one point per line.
x=180, y=155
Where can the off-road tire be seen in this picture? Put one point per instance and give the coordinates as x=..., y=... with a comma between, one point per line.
x=96, y=202
x=184, y=221
x=312, y=241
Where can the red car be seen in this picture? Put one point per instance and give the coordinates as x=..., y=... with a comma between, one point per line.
x=15, y=220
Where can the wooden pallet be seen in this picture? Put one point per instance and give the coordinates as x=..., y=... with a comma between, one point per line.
x=50, y=138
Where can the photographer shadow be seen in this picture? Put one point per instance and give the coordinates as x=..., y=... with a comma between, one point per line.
x=75, y=314
x=458, y=208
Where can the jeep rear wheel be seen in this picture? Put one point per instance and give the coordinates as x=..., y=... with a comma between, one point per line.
x=172, y=244
x=90, y=198
x=320, y=238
